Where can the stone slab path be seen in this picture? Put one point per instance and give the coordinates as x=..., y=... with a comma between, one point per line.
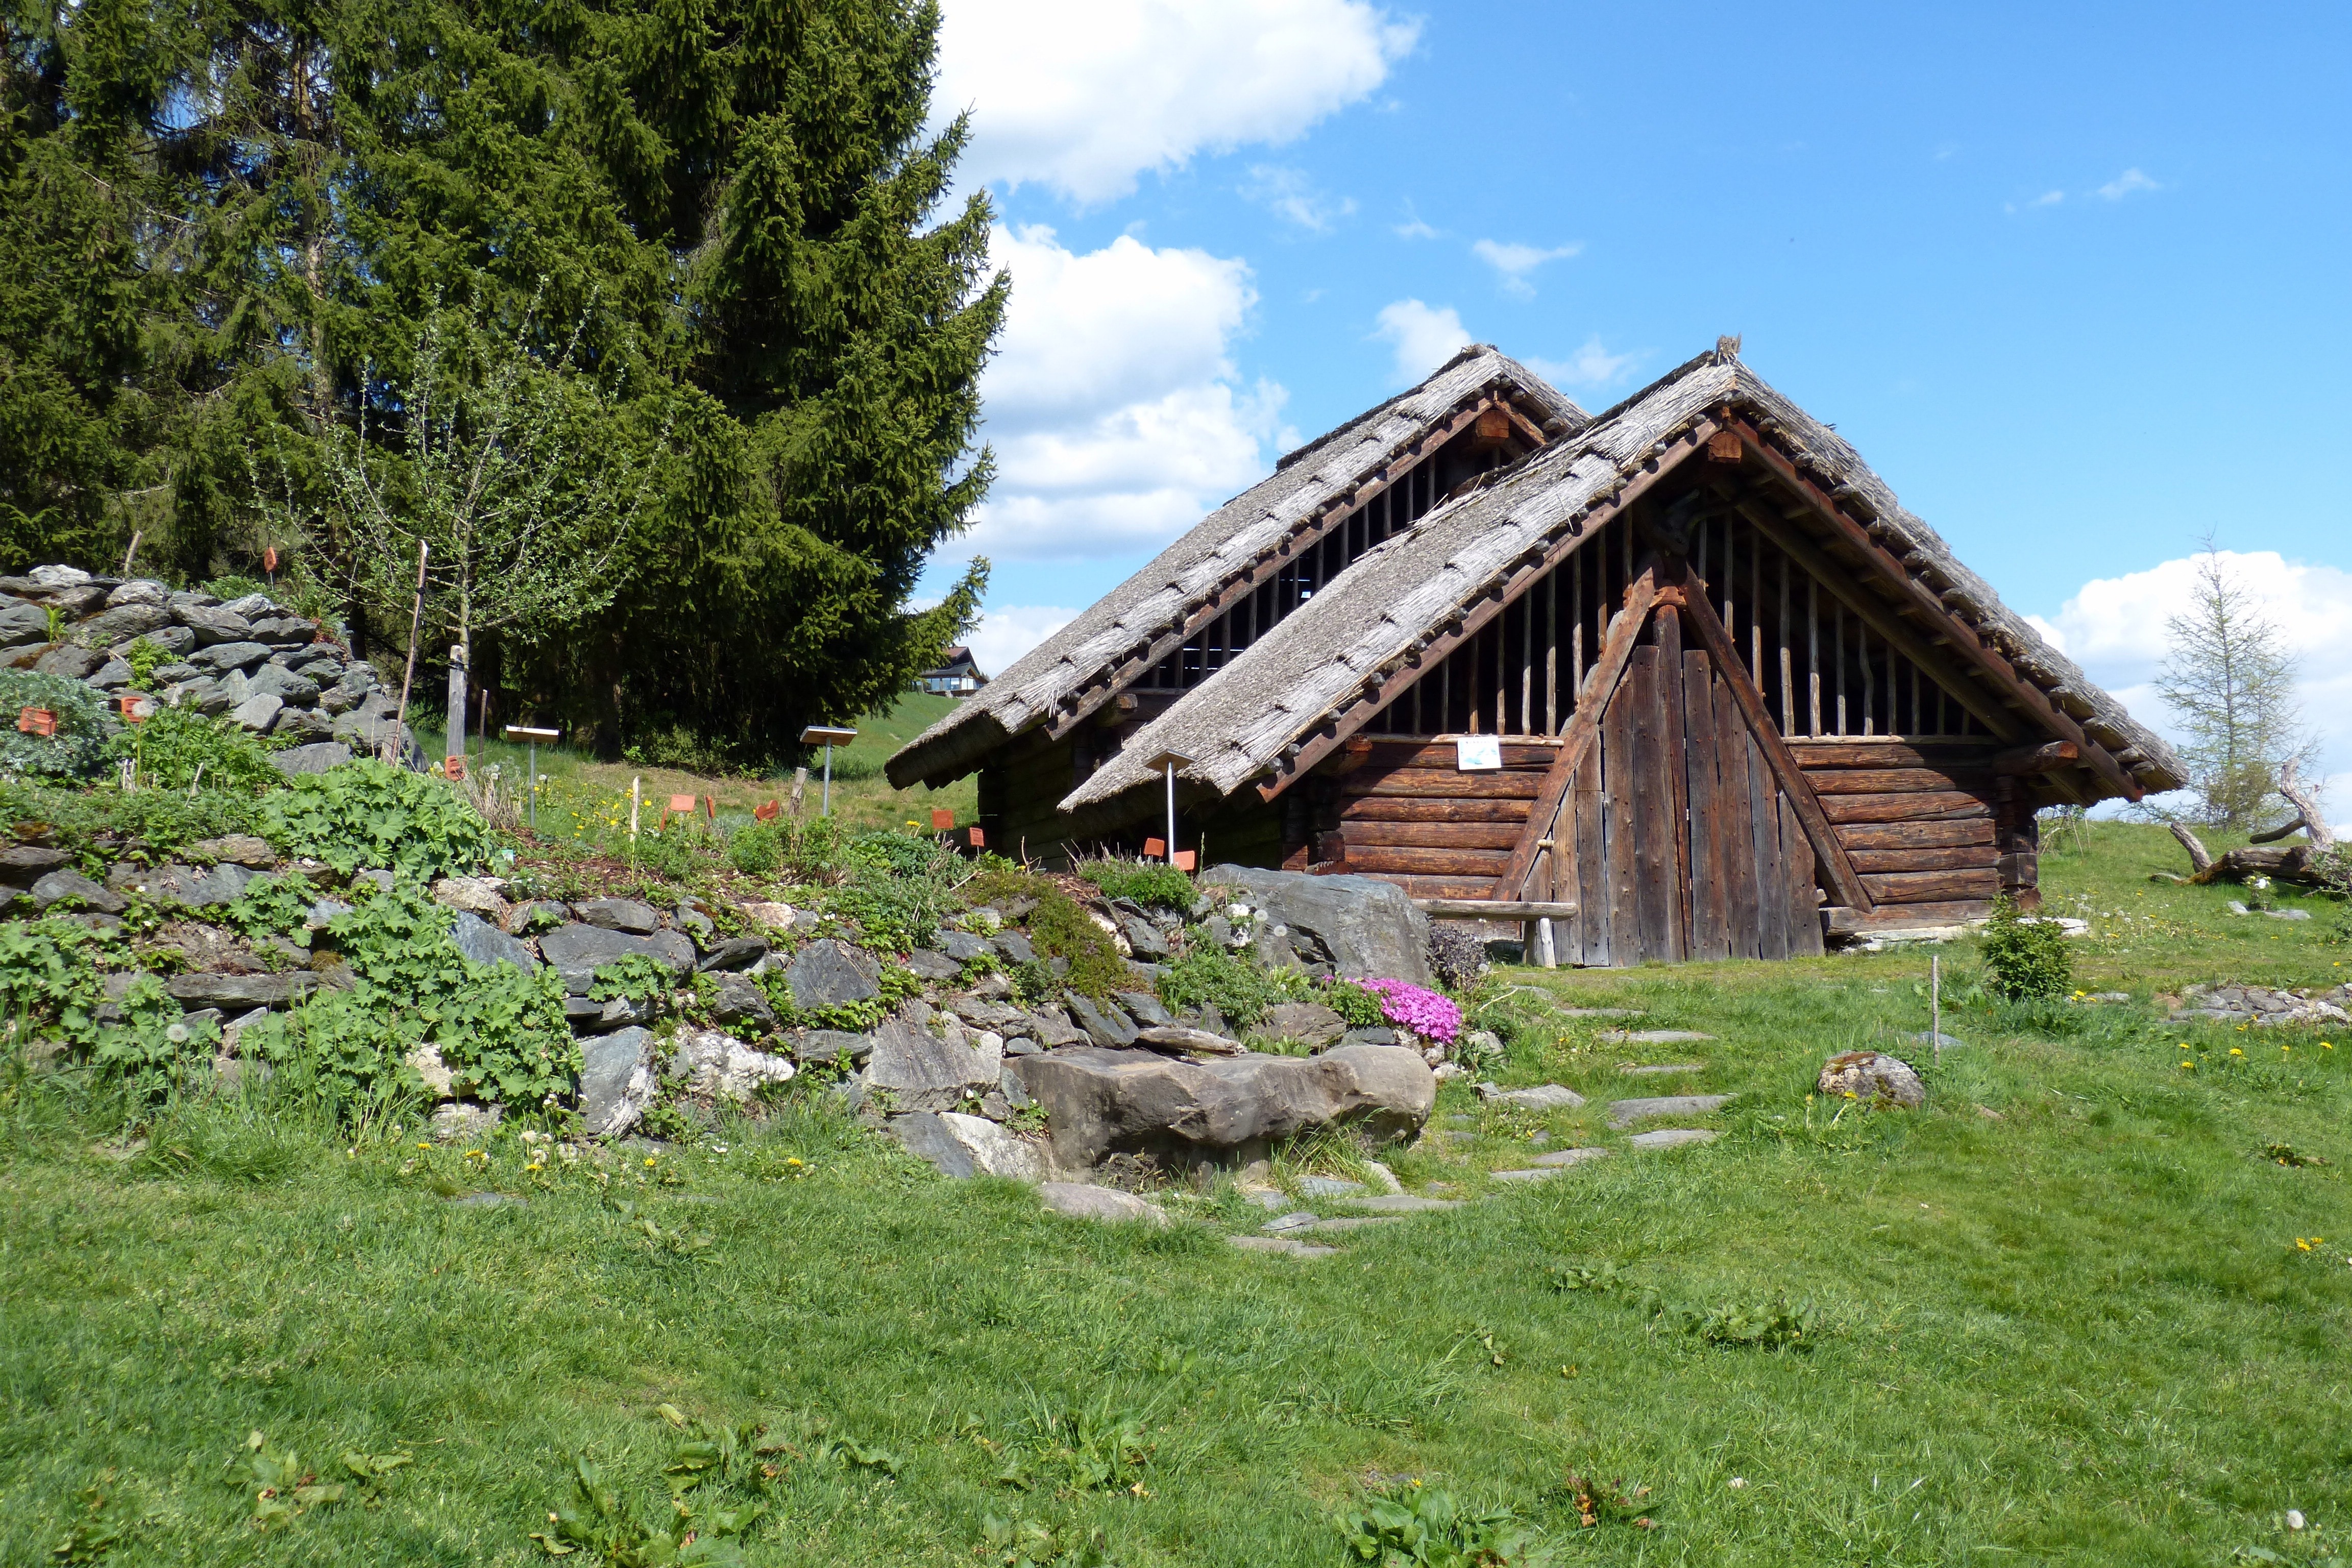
x=1564, y=1157
x=1281, y=1245
x=1662, y=1070
x=1625, y=1112
x=1672, y=1138
x=1653, y=1036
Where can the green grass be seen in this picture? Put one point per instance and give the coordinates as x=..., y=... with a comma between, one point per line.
x=2064, y=1318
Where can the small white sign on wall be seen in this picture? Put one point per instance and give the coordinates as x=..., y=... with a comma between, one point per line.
x=1478, y=753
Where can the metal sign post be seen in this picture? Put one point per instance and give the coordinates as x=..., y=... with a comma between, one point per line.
x=828, y=735
x=1170, y=762
x=524, y=733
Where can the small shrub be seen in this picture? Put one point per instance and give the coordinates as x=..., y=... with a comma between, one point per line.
x=676, y=853
x=2025, y=960
x=178, y=748
x=1358, y=1006
x=1412, y=1525
x=1241, y=991
x=364, y=813
x=757, y=849
x=83, y=727
x=1457, y=957
x=1771, y=1325
x=1059, y=928
x=1154, y=885
x=900, y=888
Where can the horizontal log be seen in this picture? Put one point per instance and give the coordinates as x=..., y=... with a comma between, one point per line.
x=1432, y=783
x=1928, y=886
x=1491, y=909
x=1942, y=805
x=2038, y=759
x=1442, y=887
x=1966, y=858
x=1435, y=834
x=1893, y=916
x=1893, y=780
x=1404, y=808
x=1915, y=835
x=1850, y=753
x=1443, y=754
x=1372, y=858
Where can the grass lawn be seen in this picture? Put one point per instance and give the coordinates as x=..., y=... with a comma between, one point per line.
x=2060, y=1316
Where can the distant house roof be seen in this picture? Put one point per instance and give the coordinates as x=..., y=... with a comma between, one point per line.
x=1272, y=709
x=1076, y=669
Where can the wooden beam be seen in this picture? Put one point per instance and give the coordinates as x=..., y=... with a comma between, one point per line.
x=2037, y=759
x=1584, y=729
x=1348, y=716
x=1920, y=597
x=1491, y=909
x=1845, y=885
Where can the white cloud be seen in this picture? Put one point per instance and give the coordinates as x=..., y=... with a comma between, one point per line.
x=1290, y=194
x=1590, y=366
x=1117, y=415
x=1515, y=261
x=1424, y=338
x=1412, y=227
x=2047, y=199
x=1006, y=633
x=1085, y=95
x=2114, y=628
x=2124, y=183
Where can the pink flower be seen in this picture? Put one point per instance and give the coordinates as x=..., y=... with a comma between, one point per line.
x=1416, y=1007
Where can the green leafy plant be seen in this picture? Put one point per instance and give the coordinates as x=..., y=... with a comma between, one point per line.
x=1241, y=989
x=1600, y=1281
x=632, y=975
x=2025, y=960
x=364, y=813
x=900, y=888
x=282, y=1487
x=94, y=1530
x=52, y=987
x=610, y=1526
x=1770, y=1325
x=145, y=656
x=76, y=749
x=1028, y=1544
x=1415, y=1526
x=1099, y=1449
x=1153, y=884
x=148, y=826
x=757, y=848
x=276, y=904
x=1358, y=1006
x=179, y=748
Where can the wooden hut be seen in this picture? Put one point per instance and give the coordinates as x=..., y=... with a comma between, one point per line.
x=1687, y=666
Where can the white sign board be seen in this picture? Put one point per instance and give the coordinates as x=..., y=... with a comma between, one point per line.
x=1478, y=753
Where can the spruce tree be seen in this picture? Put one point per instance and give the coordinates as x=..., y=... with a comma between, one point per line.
x=2229, y=681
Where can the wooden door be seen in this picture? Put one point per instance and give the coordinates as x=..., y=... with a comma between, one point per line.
x=1677, y=838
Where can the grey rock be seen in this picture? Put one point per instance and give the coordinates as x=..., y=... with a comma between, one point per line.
x=1282, y=1244
x=579, y=951
x=1309, y=1023
x=283, y=684
x=1625, y=1112
x=121, y=625
x=1183, y=1037
x=222, y=658
x=739, y=1000
x=21, y=623
x=1100, y=1102
x=254, y=605
x=582, y=1014
x=1328, y=1186
x=1652, y=1036
x=982, y=1014
x=1052, y=1027
x=1565, y=1157
x=315, y=758
x=1380, y=1036
x=479, y=895
x=323, y=912
x=539, y=914
x=1104, y=1025
x=830, y=972
x=427, y=1063
x=1933, y=1041
x=1079, y=1201
x=1404, y=1203
x=240, y=991
x=620, y=914
x=1296, y=1220
x=937, y=967
x=243, y=849
x=1662, y=1070
x=285, y=629
x=1356, y=1222
x=1022, y=1046
x=831, y=1045
x=23, y=864
x=1543, y=1097
x=70, y=662
x=66, y=883
x=212, y=623
x=1014, y=947
x=1672, y=1138
x=1874, y=1080
x=60, y=576
x=173, y=640
x=1015, y=1092
x=486, y=943
x=993, y=987
x=718, y=1065
x=206, y=696
x=1539, y=1173
x=302, y=726
x=959, y=945
x=138, y=591
x=114, y=672
x=616, y=1082
x=257, y=712
x=2287, y=914
x=926, y=1072
x=961, y=1146
x=1142, y=936
x=1144, y=1008
x=1367, y=927
x=696, y=925
x=183, y=885
x=462, y=1122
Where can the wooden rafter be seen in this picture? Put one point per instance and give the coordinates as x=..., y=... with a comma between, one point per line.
x=1883, y=564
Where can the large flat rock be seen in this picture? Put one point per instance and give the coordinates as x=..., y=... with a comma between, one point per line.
x=617, y=1081
x=579, y=951
x=960, y=1146
x=922, y=1070
x=1100, y=1101
x=1367, y=926
x=830, y=972
x=1625, y=1112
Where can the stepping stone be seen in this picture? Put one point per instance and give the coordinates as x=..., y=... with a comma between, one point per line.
x=1382, y=1177
x=1290, y=1222
x=1270, y=1199
x=1081, y=1201
x=1560, y=1158
x=1405, y=1203
x=1328, y=1186
x=1946, y=1042
x=1543, y=1174
x=1600, y=1012
x=1625, y=1112
x=1543, y=1097
x=488, y=1201
x=1653, y=1036
x=1357, y=1224
x=1280, y=1244
x=1672, y=1138
x=1662, y=1070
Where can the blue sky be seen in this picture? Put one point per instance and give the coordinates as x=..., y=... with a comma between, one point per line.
x=2071, y=280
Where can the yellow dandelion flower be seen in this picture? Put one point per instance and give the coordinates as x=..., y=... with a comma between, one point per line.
x=792, y=1159
x=2233, y=1051
x=2188, y=1066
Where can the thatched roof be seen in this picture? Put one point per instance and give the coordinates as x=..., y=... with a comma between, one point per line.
x=1307, y=484
x=1243, y=722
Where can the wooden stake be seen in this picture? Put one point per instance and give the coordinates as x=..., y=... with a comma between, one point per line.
x=389, y=750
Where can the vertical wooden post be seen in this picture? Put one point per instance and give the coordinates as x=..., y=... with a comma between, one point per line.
x=1788, y=696
x=1814, y=652
x=1869, y=680
x=1838, y=669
